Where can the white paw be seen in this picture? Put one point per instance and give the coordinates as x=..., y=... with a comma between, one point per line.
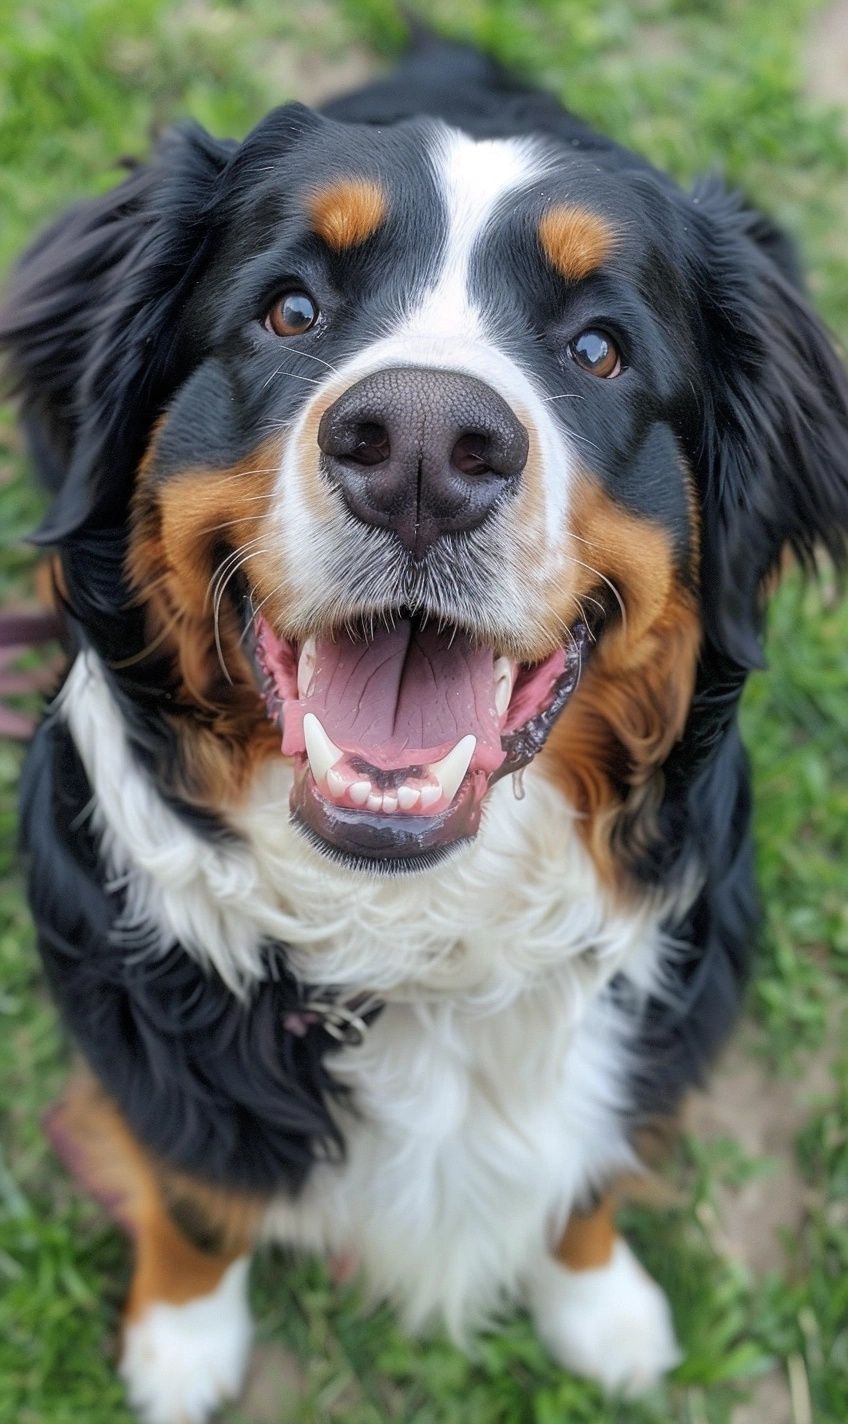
x=180, y=1362
x=612, y=1325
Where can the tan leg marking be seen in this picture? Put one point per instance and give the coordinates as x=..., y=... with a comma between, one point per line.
x=588, y=1241
x=598, y=1311
x=161, y=1210
x=168, y=1267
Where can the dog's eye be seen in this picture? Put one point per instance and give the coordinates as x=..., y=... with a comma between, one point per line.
x=292, y=314
x=595, y=352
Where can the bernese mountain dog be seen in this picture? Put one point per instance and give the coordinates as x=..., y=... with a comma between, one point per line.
x=420, y=468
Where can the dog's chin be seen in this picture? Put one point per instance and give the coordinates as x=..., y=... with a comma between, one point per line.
x=381, y=843
x=398, y=731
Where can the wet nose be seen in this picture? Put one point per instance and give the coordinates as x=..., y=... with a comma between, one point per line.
x=422, y=452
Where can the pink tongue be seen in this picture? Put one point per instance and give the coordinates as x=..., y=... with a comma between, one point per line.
x=404, y=698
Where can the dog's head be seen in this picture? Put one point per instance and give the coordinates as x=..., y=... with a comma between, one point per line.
x=423, y=452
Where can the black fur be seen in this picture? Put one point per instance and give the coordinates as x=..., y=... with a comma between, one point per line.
x=134, y=304
x=210, y=1084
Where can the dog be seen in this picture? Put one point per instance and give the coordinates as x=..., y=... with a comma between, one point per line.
x=420, y=468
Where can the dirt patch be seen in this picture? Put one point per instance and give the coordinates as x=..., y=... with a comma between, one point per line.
x=311, y=78
x=770, y=1401
x=275, y=1383
x=825, y=55
x=294, y=65
x=763, y=1114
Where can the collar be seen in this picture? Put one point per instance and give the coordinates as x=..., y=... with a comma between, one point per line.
x=345, y=1020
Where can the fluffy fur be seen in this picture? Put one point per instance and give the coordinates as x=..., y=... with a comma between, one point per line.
x=541, y=982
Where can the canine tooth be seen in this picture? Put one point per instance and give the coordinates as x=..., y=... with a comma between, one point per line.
x=503, y=684
x=359, y=792
x=452, y=768
x=429, y=795
x=306, y=667
x=390, y=803
x=336, y=782
x=321, y=751
x=407, y=797
x=375, y=801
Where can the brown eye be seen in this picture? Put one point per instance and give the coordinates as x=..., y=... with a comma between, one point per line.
x=292, y=314
x=596, y=353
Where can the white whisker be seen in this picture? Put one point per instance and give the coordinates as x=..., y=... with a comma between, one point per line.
x=574, y=435
x=242, y=519
x=308, y=354
x=247, y=553
x=308, y=380
x=609, y=583
x=221, y=568
x=256, y=609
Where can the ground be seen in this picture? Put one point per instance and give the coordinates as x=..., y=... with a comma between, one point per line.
x=752, y=1242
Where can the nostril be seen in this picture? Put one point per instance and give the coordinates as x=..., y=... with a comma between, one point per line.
x=368, y=445
x=470, y=454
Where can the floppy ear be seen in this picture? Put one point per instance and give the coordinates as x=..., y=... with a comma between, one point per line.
x=772, y=451
x=90, y=326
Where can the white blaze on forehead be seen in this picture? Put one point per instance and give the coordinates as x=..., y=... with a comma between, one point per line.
x=473, y=177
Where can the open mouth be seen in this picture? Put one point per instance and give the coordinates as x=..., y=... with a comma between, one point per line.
x=397, y=732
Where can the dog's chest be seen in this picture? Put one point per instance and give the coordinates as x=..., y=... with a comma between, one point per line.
x=490, y=1095
x=470, y=1139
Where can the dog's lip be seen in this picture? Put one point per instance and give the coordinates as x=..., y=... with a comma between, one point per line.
x=381, y=841
x=384, y=834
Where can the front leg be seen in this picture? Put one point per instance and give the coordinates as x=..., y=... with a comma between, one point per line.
x=187, y=1326
x=598, y=1311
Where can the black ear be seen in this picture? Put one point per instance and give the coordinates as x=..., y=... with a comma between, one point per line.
x=90, y=328
x=772, y=450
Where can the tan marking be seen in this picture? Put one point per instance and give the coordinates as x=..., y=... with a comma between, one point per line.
x=575, y=240
x=588, y=1241
x=346, y=213
x=50, y=587
x=178, y=526
x=608, y=746
x=105, y=1157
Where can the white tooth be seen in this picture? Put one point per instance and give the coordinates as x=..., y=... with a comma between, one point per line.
x=503, y=684
x=407, y=797
x=375, y=801
x=321, y=751
x=359, y=792
x=305, y=667
x=429, y=795
x=390, y=802
x=336, y=782
x=452, y=768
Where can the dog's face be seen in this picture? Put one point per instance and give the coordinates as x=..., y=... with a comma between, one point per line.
x=426, y=461
x=434, y=433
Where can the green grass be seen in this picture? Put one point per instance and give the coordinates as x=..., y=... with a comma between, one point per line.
x=695, y=84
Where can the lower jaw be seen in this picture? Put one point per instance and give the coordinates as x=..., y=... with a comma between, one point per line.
x=384, y=844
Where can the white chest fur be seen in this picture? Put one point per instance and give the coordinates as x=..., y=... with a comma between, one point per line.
x=474, y=1138
x=488, y=1092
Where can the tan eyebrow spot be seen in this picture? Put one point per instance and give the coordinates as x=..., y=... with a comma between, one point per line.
x=575, y=240
x=346, y=213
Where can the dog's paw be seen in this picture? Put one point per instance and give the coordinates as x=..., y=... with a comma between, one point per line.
x=180, y=1362
x=612, y=1325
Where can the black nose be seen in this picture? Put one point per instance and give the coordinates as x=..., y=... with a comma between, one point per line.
x=421, y=451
